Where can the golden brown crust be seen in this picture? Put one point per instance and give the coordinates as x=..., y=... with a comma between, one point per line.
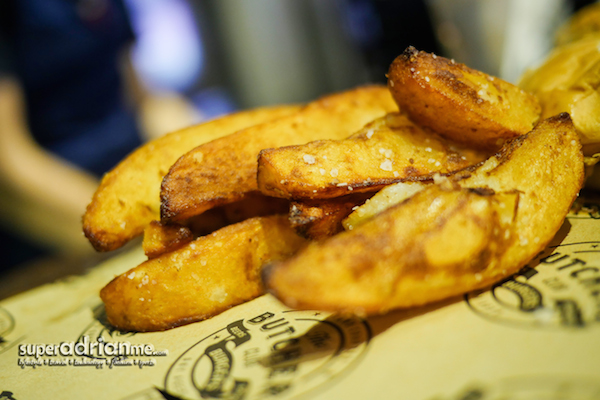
x=388, y=150
x=163, y=238
x=404, y=257
x=201, y=279
x=568, y=81
x=320, y=219
x=127, y=199
x=458, y=102
x=582, y=25
x=225, y=170
x=447, y=239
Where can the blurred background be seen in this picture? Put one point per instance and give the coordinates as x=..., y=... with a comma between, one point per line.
x=178, y=62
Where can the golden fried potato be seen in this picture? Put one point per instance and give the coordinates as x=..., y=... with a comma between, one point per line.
x=445, y=240
x=546, y=167
x=162, y=238
x=584, y=24
x=128, y=197
x=224, y=170
x=406, y=256
x=569, y=81
x=319, y=219
x=390, y=149
x=458, y=102
x=385, y=198
x=201, y=279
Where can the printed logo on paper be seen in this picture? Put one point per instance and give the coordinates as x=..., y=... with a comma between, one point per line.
x=98, y=346
x=6, y=395
x=563, y=291
x=282, y=353
x=7, y=324
x=534, y=387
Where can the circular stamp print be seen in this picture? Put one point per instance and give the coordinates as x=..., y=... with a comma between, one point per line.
x=562, y=291
x=283, y=353
x=531, y=388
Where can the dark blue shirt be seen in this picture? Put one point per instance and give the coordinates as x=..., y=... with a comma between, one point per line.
x=66, y=55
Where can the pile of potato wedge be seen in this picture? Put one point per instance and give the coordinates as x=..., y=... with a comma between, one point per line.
x=372, y=199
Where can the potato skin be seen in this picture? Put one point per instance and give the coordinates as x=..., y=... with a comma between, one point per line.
x=568, y=81
x=201, y=279
x=584, y=24
x=128, y=197
x=224, y=170
x=448, y=239
x=382, y=200
x=322, y=218
x=388, y=150
x=407, y=256
x=546, y=168
x=458, y=102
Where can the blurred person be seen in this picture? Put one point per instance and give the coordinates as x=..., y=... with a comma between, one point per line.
x=71, y=107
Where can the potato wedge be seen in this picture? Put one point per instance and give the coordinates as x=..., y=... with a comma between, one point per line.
x=546, y=167
x=319, y=219
x=385, y=198
x=446, y=239
x=162, y=238
x=202, y=279
x=128, y=197
x=390, y=149
x=569, y=81
x=407, y=256
x=458, y=102
x=585, y=23
x=224, y=170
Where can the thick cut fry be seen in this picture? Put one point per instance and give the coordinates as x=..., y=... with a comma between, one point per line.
x=382, y=200
x=225, y=170
x=444, y=240
x=202, y=279
x=546, y=167
x=390, y=149
x=569, y=81
x=128, y=197
x=406, y=256
x=584, y=24
x=163, y=238
x=319, y=219
x=458, y=102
